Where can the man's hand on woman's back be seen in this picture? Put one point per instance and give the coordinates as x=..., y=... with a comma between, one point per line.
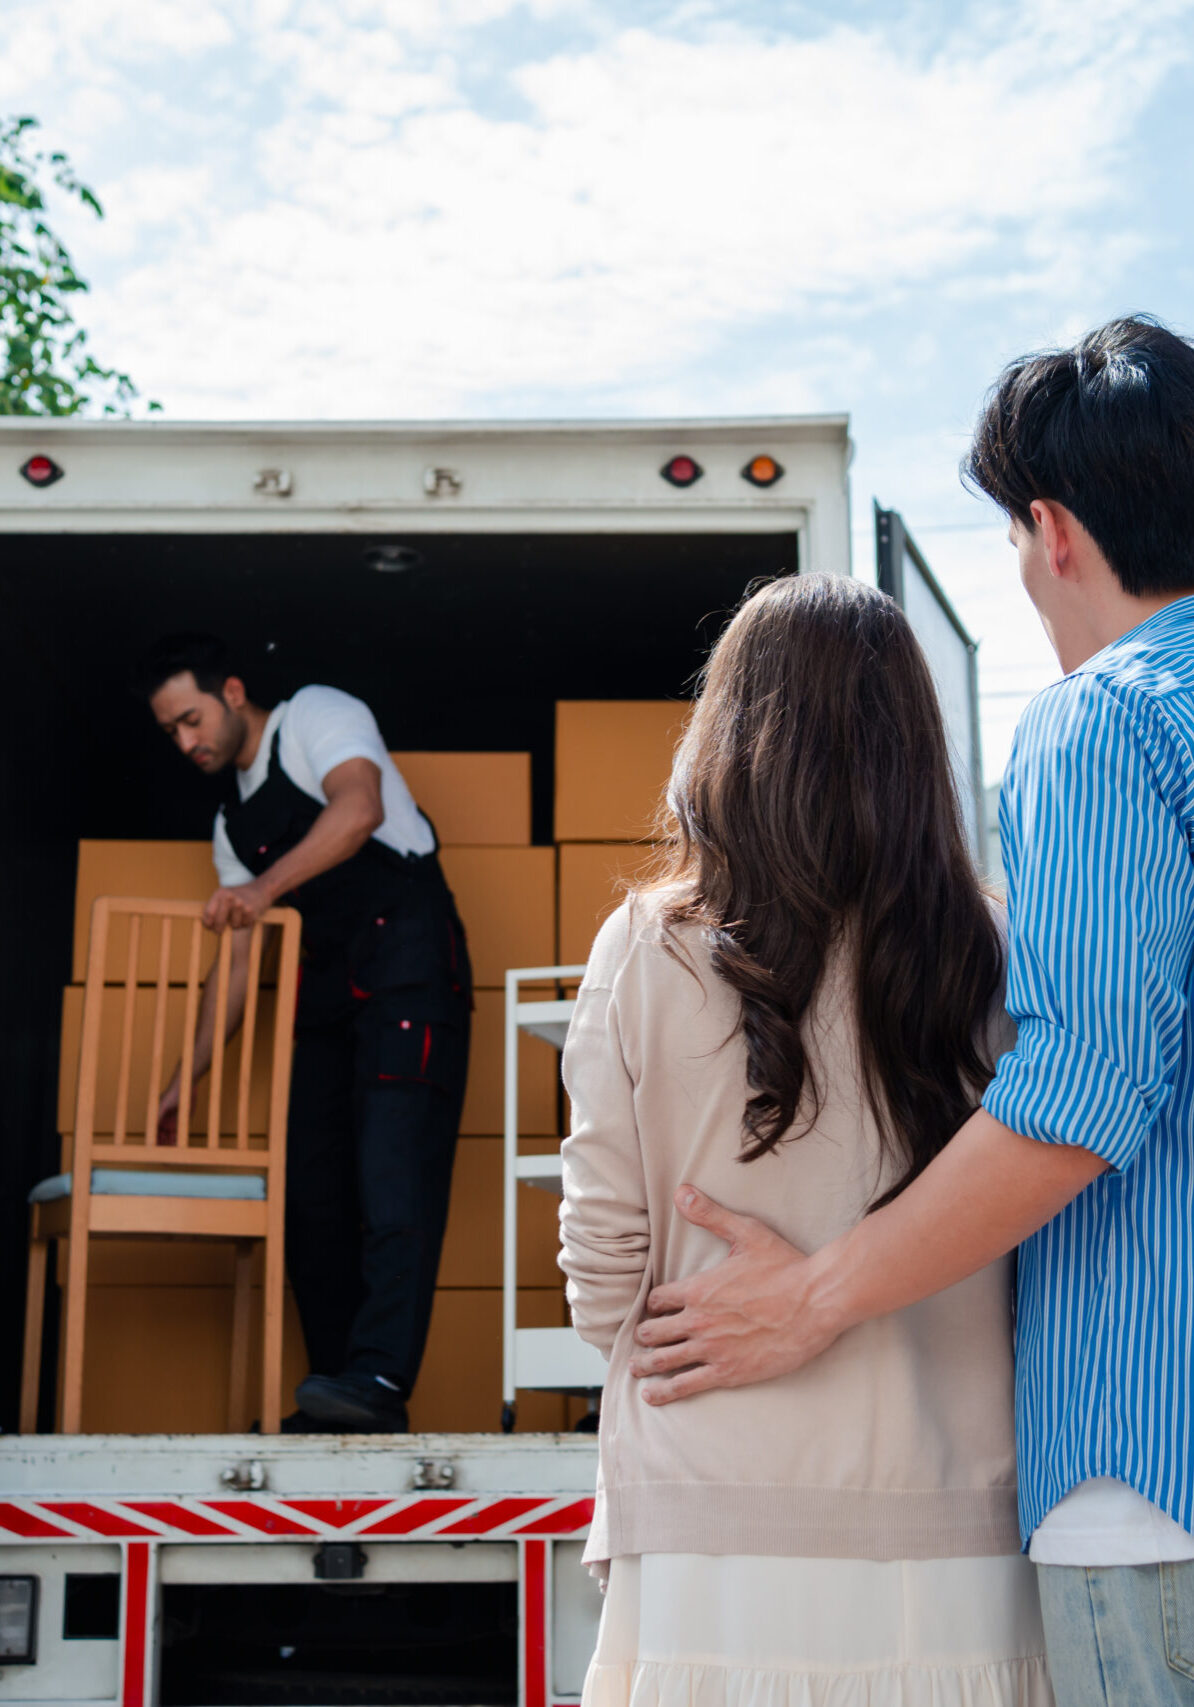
x=767, y=1309
x=743, y=1321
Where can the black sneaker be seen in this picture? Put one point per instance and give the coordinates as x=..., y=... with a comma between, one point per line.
x=355, y=1403
x=301, y=1422
x=298, y=1422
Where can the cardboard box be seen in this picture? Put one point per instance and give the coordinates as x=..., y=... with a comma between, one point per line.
x=460, y=1388
x=613, y=760
x=157, y=1360
x=538, y=1075
x=472, y=1254
x=159, y=871
x=593, y=881
x=473, y=799
x=506, y=898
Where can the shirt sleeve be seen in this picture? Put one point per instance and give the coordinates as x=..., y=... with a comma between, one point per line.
x=1101, y=914
x=329, y=727
x=604, y=1227
x=229, y=869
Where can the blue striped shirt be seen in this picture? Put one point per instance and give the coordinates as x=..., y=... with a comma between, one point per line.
x=1097, y=824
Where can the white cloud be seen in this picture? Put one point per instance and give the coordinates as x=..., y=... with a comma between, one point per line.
x=372, y=243
x=312, y=212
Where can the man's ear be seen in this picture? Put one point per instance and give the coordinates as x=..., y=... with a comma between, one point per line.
x=1056, y=526
x=235, y=694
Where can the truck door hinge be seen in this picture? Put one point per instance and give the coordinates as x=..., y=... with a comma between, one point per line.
x=441, y=482
x=246, y=1477
x=274, y=482
x=434, y=1473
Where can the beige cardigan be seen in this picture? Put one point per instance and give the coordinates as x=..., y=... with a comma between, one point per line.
x=896, y=1443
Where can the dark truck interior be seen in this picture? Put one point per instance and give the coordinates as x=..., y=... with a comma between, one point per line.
x=458, y=642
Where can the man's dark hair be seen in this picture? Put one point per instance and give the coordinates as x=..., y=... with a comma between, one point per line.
x=1107, y=429
x=204, y=655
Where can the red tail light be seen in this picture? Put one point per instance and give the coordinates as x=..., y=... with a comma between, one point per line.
x=682, y=471
x=41, y=471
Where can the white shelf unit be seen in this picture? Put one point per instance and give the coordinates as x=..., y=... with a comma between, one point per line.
x=554, y=1360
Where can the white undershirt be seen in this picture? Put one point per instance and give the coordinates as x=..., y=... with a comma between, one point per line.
x=1105, y=1522
x=322, y=728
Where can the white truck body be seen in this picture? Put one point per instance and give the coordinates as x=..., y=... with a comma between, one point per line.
x=503, y=477
x=160, y=1518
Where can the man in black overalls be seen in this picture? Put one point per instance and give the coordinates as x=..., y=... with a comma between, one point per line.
x=317, y=817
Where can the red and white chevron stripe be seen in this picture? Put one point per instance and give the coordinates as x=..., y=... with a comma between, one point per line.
x=265, y=1517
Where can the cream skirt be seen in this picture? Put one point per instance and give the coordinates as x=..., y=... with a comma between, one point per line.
x=693, y=1630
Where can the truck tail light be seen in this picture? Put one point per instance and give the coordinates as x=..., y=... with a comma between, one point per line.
x=682, y=471
x=762, y=471
x=41, y=471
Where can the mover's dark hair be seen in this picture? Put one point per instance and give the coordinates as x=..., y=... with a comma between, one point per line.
x=205, y=655
x=1107, y=429
x=811, y=809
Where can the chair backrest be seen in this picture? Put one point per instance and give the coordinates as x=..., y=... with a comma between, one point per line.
x=146, y=963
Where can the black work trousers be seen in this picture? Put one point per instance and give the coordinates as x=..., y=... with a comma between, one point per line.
x=381, y=1054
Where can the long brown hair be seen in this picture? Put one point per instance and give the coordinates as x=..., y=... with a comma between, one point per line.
x=812, y=807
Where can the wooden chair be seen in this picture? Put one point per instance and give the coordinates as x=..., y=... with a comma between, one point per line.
x=224, y=1178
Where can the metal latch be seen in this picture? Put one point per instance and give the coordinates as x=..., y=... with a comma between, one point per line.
x=246, y=1477
x=274, y=482
x=441, y=482
x=434, y=1473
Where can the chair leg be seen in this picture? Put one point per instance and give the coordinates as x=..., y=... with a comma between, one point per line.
x=242, y=1299
x=271, y=1347
x=75, y=1319
x=35, y=1303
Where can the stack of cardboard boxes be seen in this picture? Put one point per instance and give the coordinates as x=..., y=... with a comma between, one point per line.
x=159, y=1314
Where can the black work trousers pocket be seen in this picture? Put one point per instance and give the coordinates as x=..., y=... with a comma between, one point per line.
x=417, y=950
x=411, y=1037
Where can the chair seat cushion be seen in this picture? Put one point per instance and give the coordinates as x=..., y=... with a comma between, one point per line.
x=131, y=1182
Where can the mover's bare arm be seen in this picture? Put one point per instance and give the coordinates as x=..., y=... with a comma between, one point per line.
x=767, y=1308
x=354, y=810
x=205, y=1031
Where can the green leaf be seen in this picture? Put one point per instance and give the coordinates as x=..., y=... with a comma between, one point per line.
x=46, y=367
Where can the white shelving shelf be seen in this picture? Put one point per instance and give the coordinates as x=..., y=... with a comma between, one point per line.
x=554, y=1360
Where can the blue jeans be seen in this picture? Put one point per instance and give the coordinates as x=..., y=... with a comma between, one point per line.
x=1120, y=1635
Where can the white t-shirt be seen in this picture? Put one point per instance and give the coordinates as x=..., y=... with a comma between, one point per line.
x=321, y=728
x=1105, y=1522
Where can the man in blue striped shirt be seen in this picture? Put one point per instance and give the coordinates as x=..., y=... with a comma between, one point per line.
x=1083, y=1149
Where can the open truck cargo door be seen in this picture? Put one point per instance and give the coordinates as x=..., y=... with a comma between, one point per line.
x=953, y=658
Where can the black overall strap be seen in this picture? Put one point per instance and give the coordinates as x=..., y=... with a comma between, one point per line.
x=372, y=883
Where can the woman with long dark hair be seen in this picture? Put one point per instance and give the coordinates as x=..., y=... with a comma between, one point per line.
x=795, y=1017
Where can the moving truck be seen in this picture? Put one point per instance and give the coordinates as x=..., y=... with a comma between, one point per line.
x=524, y=606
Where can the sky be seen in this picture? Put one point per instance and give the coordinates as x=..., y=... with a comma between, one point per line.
x=522, y=208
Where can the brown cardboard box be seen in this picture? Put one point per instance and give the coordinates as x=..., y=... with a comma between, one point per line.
x=160, y=871
x=460, y=1387
x=613, y=760
x=593, y=879
x=472, y=1254
x=157, y=1360
x=506, y=898
x=473, y=799
x=538, y=1075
